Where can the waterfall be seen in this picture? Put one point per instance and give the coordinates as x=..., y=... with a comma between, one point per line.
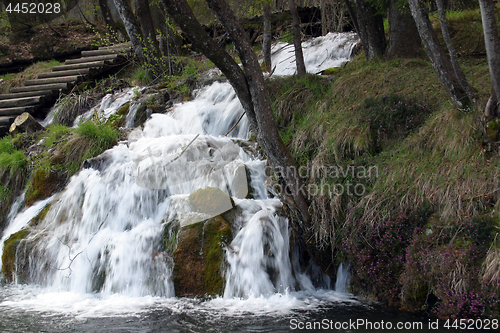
x=343, y=276
x=105, y=234
x=332, y=50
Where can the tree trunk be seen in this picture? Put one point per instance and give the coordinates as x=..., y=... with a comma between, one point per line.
x=131, y=26
x=266, y=42
x=108, y=17
x=404, y=40
x=299, y=56
x=25, y=123
x=352, y=14
x=371, y=30
x=492, y=43
x=323, y=17
x=471, y=94
x=441, y=64
x=148, y=31
x=247, y=83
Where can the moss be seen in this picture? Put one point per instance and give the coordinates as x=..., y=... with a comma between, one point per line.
x=123, y=110
x=492, y=129
x=9, y=254
x=40, y=217
x=330, y=71
x=199, y=258
x=44, y=183
x=217, y=233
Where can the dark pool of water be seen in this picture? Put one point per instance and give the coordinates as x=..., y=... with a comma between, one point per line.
x=27, y=310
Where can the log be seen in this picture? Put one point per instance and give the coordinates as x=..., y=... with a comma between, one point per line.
x=118, y=50
x=24, y=101
x=16, y=111
x=52, y=86
x=25, y=123
x=93, y=64
x=28, y=94
x=81, y=71
x=52, y=80
x=108, y=57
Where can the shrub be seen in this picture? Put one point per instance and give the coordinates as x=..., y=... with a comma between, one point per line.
x=376, y=250
x=442, y=265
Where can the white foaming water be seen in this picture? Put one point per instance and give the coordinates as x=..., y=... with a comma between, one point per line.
x=343, y=276
x=330, y=51
x=20, y=220
x=100, y=244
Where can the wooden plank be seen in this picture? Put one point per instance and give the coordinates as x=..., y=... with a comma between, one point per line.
x=91, y=59
x=106, y=52
x=28, y=94
x=62, y=79
x=116, y=46
x=53, y=86
x=81, y=71
x=16, y=111
x=6, y=120
x=93, y=64
x=7, y=103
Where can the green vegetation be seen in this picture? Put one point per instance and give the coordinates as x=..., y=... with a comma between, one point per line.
x=65, y=150
x=10, y=158
x=424, y=224
x=32, y=72
x=9, y=254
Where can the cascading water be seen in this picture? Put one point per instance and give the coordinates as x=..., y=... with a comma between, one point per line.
x=330, y=51
x=101, y=242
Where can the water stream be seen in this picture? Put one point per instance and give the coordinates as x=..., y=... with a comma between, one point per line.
x=96, y=261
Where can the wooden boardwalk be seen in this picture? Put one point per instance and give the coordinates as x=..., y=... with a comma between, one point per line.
x=37, y=96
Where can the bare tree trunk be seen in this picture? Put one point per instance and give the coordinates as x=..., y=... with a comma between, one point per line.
x=299, y=56
x=492, y=42
x=148, y=31
x=441, y=64
x=471, y=94
x=404, y=40
x=371, y=30
x=323, y=17
x=352, y=14
x=266, y=42
x=248, y=84
x=108, y=17
x=131, y=26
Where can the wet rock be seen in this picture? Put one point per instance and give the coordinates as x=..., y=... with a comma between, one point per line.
x=199, y=258
x=9, y=254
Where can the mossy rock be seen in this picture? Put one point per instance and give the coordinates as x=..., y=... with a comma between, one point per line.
x=199, y=258
x=492, y=130
x=40, y=217
x=123, y=110
x=9, y=254
x=210, y=201
x=44, y=184
x=329, y=71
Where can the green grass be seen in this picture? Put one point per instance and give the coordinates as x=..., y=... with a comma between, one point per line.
x=32, y=72
x=11, y=158
x=55, y=133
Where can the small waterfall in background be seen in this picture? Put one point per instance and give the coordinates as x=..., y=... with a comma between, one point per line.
x=343, y=276
x=103, y=237
x=330, y=51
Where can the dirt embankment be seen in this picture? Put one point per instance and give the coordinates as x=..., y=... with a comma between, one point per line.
x=44, y=42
